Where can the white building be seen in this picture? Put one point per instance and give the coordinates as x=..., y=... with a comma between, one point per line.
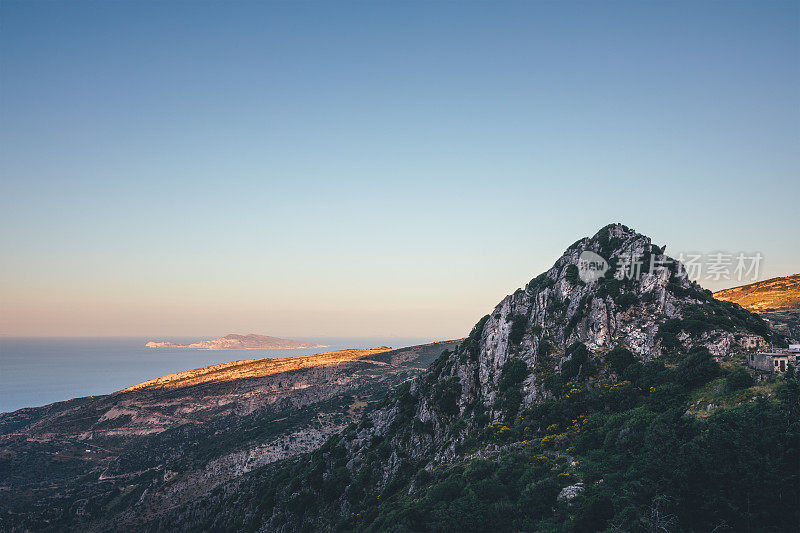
x=772, y=362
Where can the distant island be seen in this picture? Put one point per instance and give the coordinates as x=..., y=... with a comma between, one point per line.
x=241, y=342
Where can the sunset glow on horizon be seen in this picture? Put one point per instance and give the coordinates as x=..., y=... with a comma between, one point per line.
x=374, y=170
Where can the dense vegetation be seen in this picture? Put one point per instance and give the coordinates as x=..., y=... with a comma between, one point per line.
x=620, y=433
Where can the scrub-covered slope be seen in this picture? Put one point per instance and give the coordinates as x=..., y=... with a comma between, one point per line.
x=89, y=462
x=777, y=300
x=573, y=405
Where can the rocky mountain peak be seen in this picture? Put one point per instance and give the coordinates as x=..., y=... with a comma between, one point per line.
x=613, y=322
x=592, y=294
x=615, y=289
x=615, y=292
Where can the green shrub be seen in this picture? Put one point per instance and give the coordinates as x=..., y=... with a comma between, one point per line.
x=445, y=491
x=517, y=332
x=554, y=383
x=676, y=289
x=513, y=373
x=699, y=367
x=446, y=395
x=406, y=405
x=738, y=379
x=422, y=477
x=649, y=374
x=594, y=512
x=336, y=483
x=619, y=359
x=578, y=356
x=422, y=427
x=671, y=325
x=608, y=286
x=539, y=283
x=571, y=274
x=621, y=396
x=625, y=300
x=667, y=396
x=472, y=344
x=511, y=401
x=668, y=333
x=479, y=415
x=438, y=365
x=538, y=499
x=545, y=348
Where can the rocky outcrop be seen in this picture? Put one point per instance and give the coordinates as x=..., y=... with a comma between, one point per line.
x=650, y=312
x=615, y=289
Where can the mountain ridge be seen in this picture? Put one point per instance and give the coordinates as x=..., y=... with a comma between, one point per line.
x=166, y=441
x=579, y=403
x=252, y=368
x=770, y=294
x=548, y=344
x=775, y=299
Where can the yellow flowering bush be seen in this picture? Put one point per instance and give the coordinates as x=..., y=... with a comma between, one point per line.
x=499, y=431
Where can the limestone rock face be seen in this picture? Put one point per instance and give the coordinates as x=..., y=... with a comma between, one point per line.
x=536, y=324
x=569, y=493
x=558, y=309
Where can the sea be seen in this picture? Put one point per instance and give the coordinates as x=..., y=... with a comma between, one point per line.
x=40, y=371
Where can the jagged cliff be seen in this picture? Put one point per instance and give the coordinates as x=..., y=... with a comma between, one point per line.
x=561, y=336
x=659, y=312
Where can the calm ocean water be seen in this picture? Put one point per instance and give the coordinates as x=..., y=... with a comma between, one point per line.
x=38, y=371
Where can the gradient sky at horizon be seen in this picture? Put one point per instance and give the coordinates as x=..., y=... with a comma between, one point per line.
x=374, y=169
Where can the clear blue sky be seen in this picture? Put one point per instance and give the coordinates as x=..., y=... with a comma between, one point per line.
x=374, y=168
